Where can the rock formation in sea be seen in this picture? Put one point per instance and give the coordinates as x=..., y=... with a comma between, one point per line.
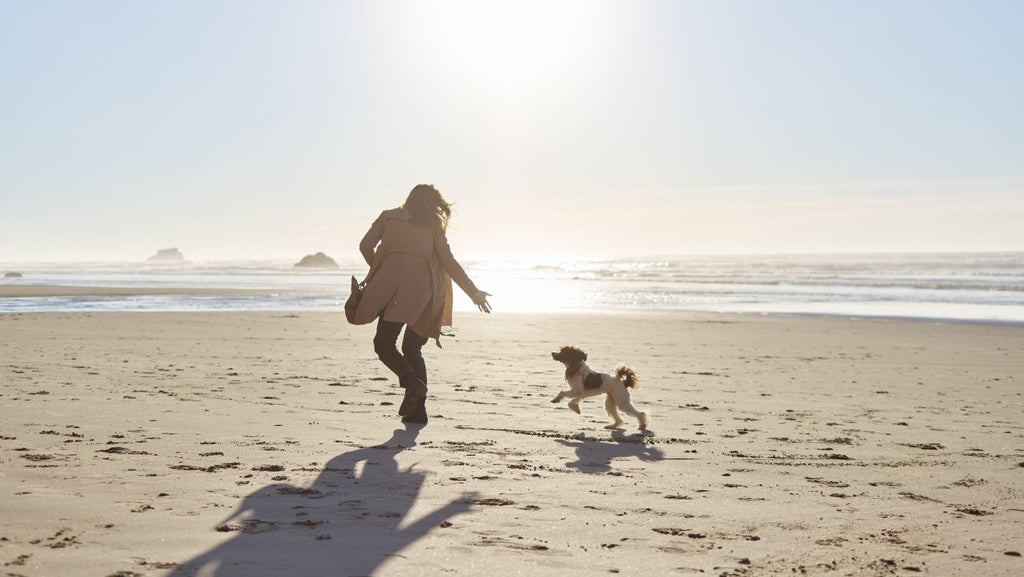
x=318, y=260
x=167, y=255
x=12, y=275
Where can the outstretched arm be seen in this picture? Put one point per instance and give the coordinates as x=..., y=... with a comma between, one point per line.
x=458, y=274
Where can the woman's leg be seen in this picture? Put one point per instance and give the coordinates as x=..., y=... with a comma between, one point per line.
x=384, y=345
x=412, y=345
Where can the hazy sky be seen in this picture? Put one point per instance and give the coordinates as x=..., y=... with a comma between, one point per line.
x=249, y=129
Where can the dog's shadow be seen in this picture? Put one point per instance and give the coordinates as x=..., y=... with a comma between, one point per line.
x=596, y=456
x=350, y=520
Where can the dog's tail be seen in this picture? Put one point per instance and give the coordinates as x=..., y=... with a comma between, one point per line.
x=628, y=376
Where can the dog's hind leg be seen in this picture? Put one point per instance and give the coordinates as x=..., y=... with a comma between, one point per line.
x=627, y=407
x=609, y=405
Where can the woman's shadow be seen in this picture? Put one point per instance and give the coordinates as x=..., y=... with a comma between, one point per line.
x=595, y=456
x=349, y=521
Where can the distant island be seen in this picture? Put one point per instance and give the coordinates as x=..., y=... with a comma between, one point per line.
x=318, y=260
x=167, y=255
x=12, y=275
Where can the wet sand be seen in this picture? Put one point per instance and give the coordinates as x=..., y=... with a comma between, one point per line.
x=48, y=290
x=260, y=444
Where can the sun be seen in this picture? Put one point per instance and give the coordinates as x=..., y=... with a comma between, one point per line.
x=503, y=44
x=510, y=38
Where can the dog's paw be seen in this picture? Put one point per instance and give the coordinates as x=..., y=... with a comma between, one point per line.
x=614, y=426
x=575, y=408
x=555, y=400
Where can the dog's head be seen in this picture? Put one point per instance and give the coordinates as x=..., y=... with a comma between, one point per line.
x=570, y=355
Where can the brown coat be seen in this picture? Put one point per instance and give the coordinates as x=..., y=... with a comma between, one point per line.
x=411, y=273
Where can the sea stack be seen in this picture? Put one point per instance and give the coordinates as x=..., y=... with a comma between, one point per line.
x=318, y=260
x=167, y=255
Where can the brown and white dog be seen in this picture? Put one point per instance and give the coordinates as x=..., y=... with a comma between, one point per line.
x=586, y=382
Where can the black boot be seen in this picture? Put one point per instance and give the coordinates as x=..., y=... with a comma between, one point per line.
x=415, y=392
x=419, y=416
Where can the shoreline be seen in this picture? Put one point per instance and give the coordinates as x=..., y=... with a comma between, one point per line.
x=51, y=290
x=48, y=291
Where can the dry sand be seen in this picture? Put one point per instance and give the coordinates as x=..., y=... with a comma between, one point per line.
x=266, y=444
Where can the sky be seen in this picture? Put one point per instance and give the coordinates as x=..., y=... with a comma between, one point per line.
x=272, y=129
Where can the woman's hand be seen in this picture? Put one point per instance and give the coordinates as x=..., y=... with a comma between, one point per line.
x=480, y=300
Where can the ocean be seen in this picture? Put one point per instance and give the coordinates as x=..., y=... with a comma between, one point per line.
x=947, y=286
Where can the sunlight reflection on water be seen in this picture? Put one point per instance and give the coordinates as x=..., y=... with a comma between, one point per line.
x=984, y=286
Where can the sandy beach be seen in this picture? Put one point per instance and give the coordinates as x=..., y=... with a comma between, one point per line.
x=267, y=444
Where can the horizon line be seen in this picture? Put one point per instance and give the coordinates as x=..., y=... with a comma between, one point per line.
x=546, y=258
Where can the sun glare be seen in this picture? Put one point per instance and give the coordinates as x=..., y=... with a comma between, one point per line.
x=507, y=44
x=509, y=38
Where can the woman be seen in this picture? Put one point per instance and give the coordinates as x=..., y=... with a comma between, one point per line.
x=409, y=284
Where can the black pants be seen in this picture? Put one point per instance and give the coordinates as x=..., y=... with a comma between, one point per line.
x=407, y=363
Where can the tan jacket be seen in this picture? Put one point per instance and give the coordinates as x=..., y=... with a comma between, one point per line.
x=411, y=273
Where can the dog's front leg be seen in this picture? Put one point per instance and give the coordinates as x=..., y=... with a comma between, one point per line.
x=575, y=405
x=558, y=398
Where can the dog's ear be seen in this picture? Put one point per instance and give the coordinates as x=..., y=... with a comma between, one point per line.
x=583, y=355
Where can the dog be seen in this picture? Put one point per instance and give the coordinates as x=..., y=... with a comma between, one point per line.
x=585, y=382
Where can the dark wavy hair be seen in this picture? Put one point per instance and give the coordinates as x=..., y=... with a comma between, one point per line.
x=427, y=206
